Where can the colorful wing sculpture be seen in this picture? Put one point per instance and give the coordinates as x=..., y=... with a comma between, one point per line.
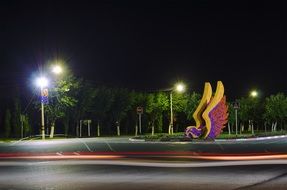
x=211, y=114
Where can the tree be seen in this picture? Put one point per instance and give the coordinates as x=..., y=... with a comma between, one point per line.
x=26, y=126
x=121, y=104
x=157, y=103
x=84, y=95
x=231, y=116
x=193, y=100
x=102, y=100
x=139, y=100
x=7, y=123
x=61, y=99
x=179, y=104
x=16, y=115
x=276, y=109
x=250, y=110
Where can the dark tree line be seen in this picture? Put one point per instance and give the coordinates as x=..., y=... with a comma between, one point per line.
x=113, y=111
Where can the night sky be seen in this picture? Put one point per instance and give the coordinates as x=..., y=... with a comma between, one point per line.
x=148, y=45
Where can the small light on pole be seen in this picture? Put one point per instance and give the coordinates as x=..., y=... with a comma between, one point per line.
x=253, y=93
x=57, y=69
x=179, y=87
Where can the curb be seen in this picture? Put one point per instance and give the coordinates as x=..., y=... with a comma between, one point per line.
x=137, y=140
x=216, y=140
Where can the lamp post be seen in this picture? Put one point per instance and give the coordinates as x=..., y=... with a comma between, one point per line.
x=253, y=94
x=42, y=82
x=170, y=130
x=56, y=70
x=236, y=106
x=179, y=87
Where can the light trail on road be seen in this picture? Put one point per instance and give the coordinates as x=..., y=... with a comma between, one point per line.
x=146, y=155
x=144, y=163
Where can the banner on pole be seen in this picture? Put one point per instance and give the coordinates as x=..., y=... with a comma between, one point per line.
x=44, y=96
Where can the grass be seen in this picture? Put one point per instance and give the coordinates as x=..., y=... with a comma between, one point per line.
x=8, y=139
x=180, y=136
x=165, y=136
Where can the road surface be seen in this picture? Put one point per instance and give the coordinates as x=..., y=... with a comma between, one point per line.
x=117, y=163
x=272, y=145
x=70, y=175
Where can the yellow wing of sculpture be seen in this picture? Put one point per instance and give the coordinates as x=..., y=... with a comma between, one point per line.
x=197, y=115
x=215, y=100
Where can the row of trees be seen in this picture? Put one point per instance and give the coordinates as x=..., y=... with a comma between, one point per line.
x=113, y=110
x=13, y=121
x=263, y=114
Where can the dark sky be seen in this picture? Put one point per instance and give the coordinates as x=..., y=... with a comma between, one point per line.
x=148, y=45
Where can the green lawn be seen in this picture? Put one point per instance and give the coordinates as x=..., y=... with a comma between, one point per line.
x=7, y=139
x=180, y=136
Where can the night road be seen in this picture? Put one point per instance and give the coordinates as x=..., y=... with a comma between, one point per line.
x=92, y=175
x=143, y=95
x=124, y=145
x=109, y=163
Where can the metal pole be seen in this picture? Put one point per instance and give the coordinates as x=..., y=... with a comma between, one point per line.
x=42, y=114
x=140, y=123
x=98, y=129
x=89, y=128
x=80, y=128
x=77, y=129
x=136, y=130
x=171, y=115
x=236, y=122
x=22, y=125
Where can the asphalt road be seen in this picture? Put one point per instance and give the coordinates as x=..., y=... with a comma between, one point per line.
x=70, y=175
x=117, y=163
x=272, y=145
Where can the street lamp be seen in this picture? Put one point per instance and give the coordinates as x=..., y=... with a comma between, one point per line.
x=42, y=82
x=253, y=93
x=57, y=69
x=179, y=87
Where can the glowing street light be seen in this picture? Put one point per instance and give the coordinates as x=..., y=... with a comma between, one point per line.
x=179, y=87
x=42, y=82
x=57, y=69
x=253, y=93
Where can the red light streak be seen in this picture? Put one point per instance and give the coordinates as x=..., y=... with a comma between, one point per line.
x=121, y=155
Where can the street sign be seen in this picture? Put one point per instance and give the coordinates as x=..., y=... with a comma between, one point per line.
x=236, y=105
x=139, y=110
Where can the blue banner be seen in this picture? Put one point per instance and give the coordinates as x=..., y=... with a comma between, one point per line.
x=44, y=96
x=44, y=99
